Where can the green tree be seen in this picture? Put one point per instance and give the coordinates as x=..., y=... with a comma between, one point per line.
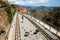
x=53, y=17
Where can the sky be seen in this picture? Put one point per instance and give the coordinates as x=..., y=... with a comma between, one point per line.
x=36, y=2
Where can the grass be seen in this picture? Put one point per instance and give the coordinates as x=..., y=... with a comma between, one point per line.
x=10, y=16
x=9, y=12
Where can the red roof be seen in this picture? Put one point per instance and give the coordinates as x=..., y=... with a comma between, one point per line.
x=22, y=8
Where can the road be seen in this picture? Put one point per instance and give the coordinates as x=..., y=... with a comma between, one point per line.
x=27, y=26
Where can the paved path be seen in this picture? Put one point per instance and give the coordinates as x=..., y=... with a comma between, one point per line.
x=27, y=26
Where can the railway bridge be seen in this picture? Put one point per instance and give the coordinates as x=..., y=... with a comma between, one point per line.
x=29, y=28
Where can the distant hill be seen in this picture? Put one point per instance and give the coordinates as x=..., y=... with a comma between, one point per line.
x=39, y=11
x=41, y=7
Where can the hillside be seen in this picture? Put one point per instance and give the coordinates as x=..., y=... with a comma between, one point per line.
x=50, y=17
x=39, y=13
x=53, y=17
x=6, y=15
x=3, y=23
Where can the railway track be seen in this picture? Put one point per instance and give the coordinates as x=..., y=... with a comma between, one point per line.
x=42, y=31
x=17, y=29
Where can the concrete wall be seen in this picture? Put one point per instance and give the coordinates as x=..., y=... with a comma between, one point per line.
x=53, y=30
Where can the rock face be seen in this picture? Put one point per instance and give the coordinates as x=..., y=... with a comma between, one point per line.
x=3, y=23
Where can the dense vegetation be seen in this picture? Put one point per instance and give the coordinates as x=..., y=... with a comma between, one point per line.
x=53, y=17
x=9, y=12
x=10, y=9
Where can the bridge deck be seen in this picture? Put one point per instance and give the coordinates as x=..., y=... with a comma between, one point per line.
x=27, y=26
